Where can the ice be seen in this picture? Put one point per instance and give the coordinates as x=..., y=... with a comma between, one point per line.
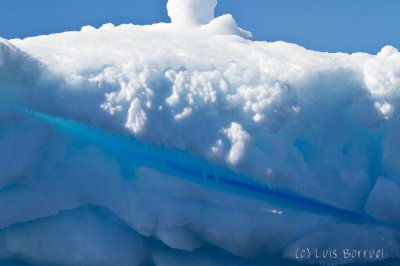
x=187, y=141
x=16, y=66
x=72, y=237
x=383, y=201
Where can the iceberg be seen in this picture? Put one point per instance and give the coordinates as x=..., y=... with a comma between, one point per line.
x=189, y=143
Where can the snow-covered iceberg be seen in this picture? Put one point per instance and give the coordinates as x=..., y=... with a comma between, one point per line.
x=188, y=143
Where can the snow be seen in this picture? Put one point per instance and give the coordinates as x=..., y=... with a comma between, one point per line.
x=238, y=139
x=198, y=15
x=191, y=12
x=165, y=142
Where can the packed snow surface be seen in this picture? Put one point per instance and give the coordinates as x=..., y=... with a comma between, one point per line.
x=187, y=143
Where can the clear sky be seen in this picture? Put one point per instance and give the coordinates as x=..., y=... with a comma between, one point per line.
x=324, y=25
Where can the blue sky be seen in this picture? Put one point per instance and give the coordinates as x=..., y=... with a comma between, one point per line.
x=324, y=25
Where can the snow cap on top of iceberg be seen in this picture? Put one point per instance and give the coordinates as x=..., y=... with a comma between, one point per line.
x=189, y=12
x=200, y=14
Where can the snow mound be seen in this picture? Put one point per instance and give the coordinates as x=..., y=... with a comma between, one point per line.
x=191, y=12
x=185, y=142
x=199, y=15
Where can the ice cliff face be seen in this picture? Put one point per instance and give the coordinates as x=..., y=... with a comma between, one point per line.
x=189, y=143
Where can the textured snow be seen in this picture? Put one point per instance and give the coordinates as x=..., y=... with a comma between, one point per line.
x=315, y=125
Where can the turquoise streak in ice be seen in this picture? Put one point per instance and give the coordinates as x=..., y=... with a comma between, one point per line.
x=132, y=153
